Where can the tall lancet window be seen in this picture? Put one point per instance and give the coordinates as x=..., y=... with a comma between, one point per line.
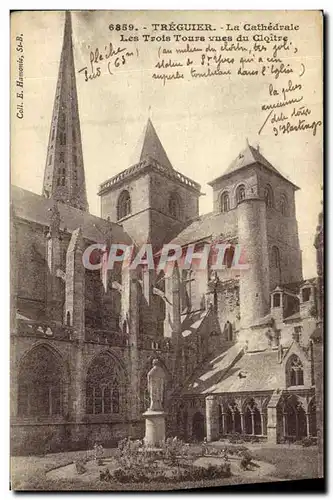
x=240, y=193
x=124, y=205
x=225, y=202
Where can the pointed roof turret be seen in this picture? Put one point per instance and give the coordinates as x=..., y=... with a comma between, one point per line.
x=64, y=178
x=152, y=147
x=249, y=156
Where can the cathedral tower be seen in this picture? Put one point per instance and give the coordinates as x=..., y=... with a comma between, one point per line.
x=252, y=177
x=151, y=200
x=64, y=178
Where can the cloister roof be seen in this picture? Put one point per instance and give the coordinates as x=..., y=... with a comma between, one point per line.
x=236, y=371
x=255, y=371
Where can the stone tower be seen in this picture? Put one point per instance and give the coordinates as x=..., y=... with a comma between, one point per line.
x=151, y=200
x=254, y=281
x=64, y=178
x=257, y=205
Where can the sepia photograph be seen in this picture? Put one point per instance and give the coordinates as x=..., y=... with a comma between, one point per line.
x=167, y=249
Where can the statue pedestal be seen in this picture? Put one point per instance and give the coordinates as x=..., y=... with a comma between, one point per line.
x=155, y=427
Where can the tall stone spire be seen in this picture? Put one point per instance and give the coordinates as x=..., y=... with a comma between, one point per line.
x=64, y=178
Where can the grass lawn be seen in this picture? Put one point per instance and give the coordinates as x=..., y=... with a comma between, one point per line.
x=29, y=473
x=290, y=463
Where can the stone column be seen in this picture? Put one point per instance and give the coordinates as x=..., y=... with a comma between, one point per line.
x=233, y=422
x=307, y=424
x=262, y=422
x=243, y=422
x=224, y=423
x=297, y=424
x=253, y=422
x=211, y=418
x=272, y=425
x=284, y=420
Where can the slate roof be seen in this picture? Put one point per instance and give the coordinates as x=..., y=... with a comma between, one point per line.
x=260, y=371
x=206, y=226
x=249, y=156
x=35, y=208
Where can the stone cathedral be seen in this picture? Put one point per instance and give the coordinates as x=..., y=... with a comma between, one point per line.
x=235, y=345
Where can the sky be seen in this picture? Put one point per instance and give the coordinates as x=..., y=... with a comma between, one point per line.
x=203, y=124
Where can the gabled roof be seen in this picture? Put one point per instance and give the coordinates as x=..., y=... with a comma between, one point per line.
x=152, y=147
x=249, y=156
x=35, y=208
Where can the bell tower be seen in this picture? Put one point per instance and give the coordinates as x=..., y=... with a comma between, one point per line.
x=64, y=178
x=151, y=200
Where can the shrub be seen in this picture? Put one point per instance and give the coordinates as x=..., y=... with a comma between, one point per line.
x=191, y=473
x=80, y=466
x=251, y=439
x=234, y=450
x=98, y=452
x=309, y=441
x=236, y=438
x=246, y=460
x=105, y=475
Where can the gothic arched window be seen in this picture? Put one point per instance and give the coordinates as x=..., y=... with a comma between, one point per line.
x=294, y=371
x=268, y=195
x=124, y=205
x=240, y=193
x=40, y=384
x=225, y=202
x=174, y=206
x=103, y=387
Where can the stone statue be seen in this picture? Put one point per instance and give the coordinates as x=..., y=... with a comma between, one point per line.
x=156, y=385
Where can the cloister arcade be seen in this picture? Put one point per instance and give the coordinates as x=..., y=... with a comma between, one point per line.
x=247, y=416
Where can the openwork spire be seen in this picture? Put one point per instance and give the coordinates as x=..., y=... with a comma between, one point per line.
x=64, y=178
